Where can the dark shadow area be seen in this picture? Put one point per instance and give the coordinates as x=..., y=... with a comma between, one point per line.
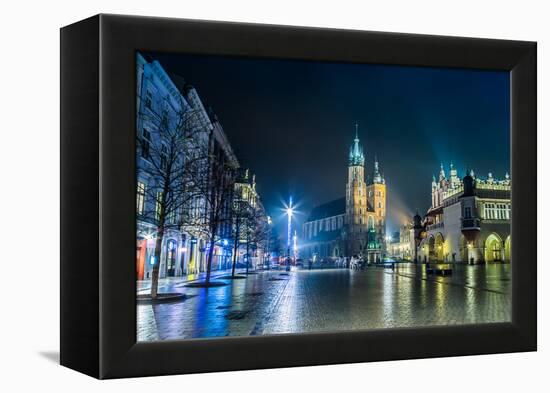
x=203, y=284
x=231, y=277
x=52, y=356
x=161, y=298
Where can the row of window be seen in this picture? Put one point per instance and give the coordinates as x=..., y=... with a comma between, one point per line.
x=146, y=150
x=327, y=224
x=497, y=211
x=379, y=193
x=141, y=200
x=333, y=223
x=154, y=108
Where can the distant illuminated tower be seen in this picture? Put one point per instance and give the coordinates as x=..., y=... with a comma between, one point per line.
x=376, y=199
x=353, y=226
x=365, y=206
x=356, y=198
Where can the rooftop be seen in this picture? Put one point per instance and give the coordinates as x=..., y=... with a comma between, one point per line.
x=329, y=209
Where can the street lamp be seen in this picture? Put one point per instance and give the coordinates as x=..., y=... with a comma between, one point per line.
x=289, y=212
x=295, y=246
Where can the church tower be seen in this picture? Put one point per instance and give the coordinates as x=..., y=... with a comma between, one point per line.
x=356, y=198
x=376, y=192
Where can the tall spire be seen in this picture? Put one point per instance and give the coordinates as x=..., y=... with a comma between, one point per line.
x=441, y=172
x=356, y=156
x=377, y=178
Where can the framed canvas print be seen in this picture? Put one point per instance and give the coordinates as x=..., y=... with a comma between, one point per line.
x=238, y=196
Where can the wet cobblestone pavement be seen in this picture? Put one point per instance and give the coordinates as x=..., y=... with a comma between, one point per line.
x=276, y=302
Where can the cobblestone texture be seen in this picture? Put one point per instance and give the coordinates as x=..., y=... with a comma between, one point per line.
x=329, y=300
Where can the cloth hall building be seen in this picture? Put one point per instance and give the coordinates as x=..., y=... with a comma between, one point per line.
x=468, y=220
x=354, y=225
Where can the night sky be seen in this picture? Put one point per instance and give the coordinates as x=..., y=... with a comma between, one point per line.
x=292, y=123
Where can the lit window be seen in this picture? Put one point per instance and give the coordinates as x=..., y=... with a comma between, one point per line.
x=140, y=197
x=158, y=205
x=171, y=216
x=490, y=211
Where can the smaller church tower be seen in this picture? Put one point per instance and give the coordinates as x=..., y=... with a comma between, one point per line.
x=377, y=200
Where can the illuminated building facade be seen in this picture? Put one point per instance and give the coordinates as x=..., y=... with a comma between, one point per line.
x=402, y=248
x=160, y=99
x=468, y=220
x=354, y=225
x=250, y=223
x=163, y=99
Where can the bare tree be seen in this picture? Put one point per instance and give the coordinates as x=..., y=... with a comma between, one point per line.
x=239, y=210
x=168, y=144
x=255, y=230
x=246, y=213
x=213, y=184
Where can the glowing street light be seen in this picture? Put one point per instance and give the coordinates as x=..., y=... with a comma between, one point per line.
x=295, y=245
x=289, y=212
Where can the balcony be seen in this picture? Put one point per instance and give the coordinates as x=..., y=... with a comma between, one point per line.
x=470, y=224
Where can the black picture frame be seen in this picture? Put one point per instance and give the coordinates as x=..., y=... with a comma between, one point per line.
x=98, y=285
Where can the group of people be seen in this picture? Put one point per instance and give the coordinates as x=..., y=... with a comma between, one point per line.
x=355, y=262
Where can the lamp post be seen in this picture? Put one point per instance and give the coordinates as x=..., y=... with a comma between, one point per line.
x=295, y=246
x=269, y=223
x=289, y=211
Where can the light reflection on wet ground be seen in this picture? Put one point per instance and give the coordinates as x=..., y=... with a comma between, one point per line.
x=331, y=300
